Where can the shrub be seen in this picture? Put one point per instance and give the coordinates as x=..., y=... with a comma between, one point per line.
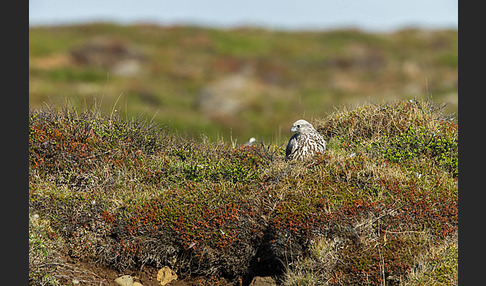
x=390, y=118
x=128, y=194
x=441, y=146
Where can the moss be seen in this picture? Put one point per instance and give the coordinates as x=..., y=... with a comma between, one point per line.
x=420, y=141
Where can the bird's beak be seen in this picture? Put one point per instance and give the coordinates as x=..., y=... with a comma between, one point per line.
x=293, y=129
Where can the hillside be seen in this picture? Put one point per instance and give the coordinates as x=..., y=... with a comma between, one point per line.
x=110, y=195
x=239, y=83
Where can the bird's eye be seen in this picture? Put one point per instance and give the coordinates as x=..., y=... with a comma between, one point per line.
x=298, y=125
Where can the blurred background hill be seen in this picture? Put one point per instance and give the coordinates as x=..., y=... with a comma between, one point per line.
x=235, y=82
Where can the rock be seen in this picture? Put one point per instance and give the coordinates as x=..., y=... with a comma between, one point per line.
x=109, y=53
x=125, y=280
x=166, y=275
x=137, y=284
x=230, y=94
x=263, y=281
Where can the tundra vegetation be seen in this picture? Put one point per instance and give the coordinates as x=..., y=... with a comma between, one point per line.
x=379, y=207
x=236, y=83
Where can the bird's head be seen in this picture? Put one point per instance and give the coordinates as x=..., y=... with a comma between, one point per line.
x=301, y=126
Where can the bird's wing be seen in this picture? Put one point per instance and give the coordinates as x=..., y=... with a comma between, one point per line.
x=291, y=146
x=321, y=143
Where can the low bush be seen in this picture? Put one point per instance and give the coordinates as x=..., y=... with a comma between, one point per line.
x=129, y=193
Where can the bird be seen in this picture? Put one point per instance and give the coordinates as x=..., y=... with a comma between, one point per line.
x=305, y=143
x=250, y=142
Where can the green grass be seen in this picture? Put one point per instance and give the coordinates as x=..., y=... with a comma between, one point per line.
x=301, y=74
x=379, y=207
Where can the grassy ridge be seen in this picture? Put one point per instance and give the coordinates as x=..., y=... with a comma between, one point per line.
x=293, y=74
x=379, y=207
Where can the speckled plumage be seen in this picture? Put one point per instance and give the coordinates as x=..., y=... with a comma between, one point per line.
x=305, y=143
